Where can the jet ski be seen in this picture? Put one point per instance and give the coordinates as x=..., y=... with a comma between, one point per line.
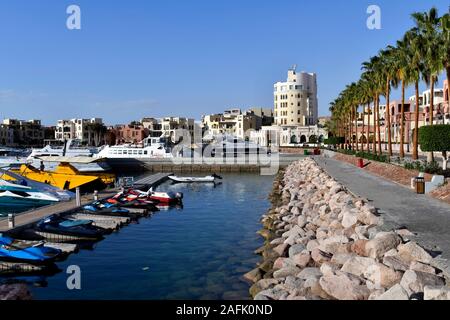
x=20, y=251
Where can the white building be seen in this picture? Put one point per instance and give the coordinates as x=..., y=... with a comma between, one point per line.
x=295, y=101
x=80, y=129
x=281, y=136
x=170, y=127
x=231, y=122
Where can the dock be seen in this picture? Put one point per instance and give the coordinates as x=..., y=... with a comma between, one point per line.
x=26, y=219
x=153, y=180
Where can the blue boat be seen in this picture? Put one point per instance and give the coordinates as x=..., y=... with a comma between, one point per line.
x=76, y=228
x=13, y=250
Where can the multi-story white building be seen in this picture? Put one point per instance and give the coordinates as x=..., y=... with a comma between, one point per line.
x=232, y=122
x=170, y=127
x=295, y=101
x=80, y=129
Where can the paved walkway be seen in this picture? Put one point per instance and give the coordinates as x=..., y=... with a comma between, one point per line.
x=401, y=207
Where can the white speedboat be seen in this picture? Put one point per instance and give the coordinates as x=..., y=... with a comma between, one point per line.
x=71, y=148
x=207, y=179
x=16, y=195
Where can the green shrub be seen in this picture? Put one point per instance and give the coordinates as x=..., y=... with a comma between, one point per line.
x=435, y=138
x=334, y=140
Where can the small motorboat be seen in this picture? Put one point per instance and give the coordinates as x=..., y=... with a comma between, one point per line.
x=12, y=250
x=161, y=197
x=152, y=196
x=208, y=179
x=16, y=195
x=76, y=228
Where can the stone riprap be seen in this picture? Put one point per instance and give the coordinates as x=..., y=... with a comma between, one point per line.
x=324, y=243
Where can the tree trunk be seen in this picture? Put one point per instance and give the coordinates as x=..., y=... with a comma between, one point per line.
x=380, y=150
x=416, y=124
x=362, y=130
x=402, y=123
x=356, y=128
x=444, y=160
x=374, y=142
x=368, y=127
x=388, y=117
x=430, y=156
x=432, y=101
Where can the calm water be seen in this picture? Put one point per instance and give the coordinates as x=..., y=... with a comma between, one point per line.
x=199, y=252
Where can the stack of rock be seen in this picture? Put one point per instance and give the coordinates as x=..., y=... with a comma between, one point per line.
x=322, y=242
x=14, y=292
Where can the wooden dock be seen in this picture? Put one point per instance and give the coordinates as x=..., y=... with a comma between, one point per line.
x=153, y=180
x=63, y=208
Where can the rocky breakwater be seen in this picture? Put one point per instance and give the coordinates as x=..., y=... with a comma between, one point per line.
x=324, y=243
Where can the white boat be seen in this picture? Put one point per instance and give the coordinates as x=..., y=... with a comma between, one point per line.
x=155, y=149
x=207, y=179
x=70, y=149
x=15, y=195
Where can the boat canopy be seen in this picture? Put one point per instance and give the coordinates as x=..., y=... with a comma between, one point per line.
x=79, y=160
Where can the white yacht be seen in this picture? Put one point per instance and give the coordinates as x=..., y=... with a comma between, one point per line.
x=70, y=149
x=150, y=148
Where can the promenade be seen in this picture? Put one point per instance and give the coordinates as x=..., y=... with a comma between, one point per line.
x=428, y=218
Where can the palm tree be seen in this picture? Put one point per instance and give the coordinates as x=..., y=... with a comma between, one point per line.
x=445, y=45
x=415, y=44
x=387, y=68
x=428, y=24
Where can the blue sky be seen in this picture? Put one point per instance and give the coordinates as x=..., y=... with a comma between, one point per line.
x=155, y=58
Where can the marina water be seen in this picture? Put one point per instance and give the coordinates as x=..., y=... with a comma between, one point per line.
x=198, y=252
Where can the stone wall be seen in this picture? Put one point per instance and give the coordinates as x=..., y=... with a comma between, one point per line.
x=324, y=243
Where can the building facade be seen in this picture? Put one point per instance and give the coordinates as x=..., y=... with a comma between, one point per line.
x=170, y=127
x=131, y=133
x=295, y=101
x=235, y=123
x=22, y=133
x=85, y=130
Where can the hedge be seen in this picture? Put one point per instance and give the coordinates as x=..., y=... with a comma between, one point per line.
x=334, y=140
x=435, y=138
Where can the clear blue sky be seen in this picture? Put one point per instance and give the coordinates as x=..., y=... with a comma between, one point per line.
x=189, y=57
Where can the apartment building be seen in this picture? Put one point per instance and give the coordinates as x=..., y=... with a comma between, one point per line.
x=295, y=101
x=22, y=133
x=85, y=130
x=234, y=122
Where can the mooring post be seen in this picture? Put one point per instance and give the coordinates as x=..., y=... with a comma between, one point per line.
x=11, y=220
x=95, y=195
x=78, y=196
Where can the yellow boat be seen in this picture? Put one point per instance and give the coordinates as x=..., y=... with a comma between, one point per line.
x=66, y=176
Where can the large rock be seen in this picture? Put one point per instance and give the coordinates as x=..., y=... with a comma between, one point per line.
x=396, y=263
x=397, y=292
x=359, y=247
x=281, y=263
x=308, y=273
x=436, y=293
x=343, y=286
x=419, y=266
x=296, y=249
x=413, y=252
x=254, y=275
x=340, y=259
x=281, y=249
x=357, y=265
x=382, y=276
x=349, y=219
x=319, y=256
x=262, y=285
x=415, y=281
x=302, y=260
x=287, y=271
x=382, y=243
x=15, y=292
